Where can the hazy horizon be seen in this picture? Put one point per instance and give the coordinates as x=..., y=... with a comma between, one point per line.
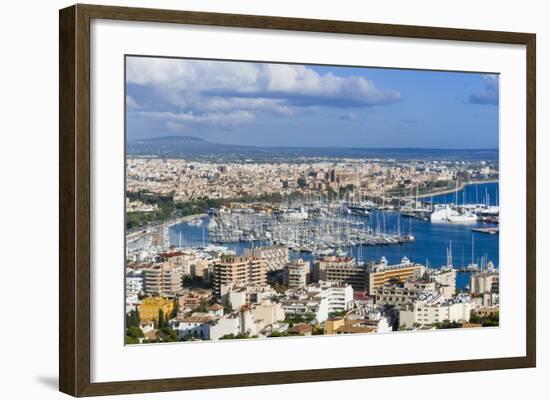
x=306, y=146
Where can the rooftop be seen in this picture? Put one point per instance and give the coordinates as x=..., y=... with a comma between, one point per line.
x=300, y=328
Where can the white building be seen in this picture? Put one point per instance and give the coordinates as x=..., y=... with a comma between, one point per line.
x=215, y=310
x=194, y=326
x=226, y=325
x=316, y=307
x=484, y=283
x=446, y=278
x=424, y=312
x=134, y=287
x=269, y=312
x=319, y=299
x=239, y=296
x=134, y=282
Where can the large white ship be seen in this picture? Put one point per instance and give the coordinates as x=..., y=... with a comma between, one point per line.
x=445, y=213
x=441, y=213
x=462, y=217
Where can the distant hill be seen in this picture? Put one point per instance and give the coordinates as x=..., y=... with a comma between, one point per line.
x=185, y=146
x=196, y=148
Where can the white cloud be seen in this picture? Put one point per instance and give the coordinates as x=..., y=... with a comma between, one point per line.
x=282, y=81
x=214, y=119
x=131, y=103
x=489, y=94
x=232, y=93
x=225, y=104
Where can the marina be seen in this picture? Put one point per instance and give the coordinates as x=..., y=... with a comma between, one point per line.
x=431, y=240
x=317, y=229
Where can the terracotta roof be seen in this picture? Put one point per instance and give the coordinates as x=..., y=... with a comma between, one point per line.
x=197, y=319
x=300, y=328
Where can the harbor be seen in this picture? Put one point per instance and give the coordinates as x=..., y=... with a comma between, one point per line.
x=252, y=222
x=430, y=244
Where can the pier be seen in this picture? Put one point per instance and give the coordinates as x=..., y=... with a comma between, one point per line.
x=486, y=230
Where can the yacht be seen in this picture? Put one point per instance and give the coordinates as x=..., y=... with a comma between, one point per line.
x=441, y=213
x=462, y=218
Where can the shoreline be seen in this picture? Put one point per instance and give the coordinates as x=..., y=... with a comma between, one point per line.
x=460, y=188
x=136, y=235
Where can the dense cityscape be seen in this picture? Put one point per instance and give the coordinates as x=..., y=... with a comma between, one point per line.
x=266, y=199
x=226, y=250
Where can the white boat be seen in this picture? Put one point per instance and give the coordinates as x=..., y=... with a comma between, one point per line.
x=462, y=218
x=489, y=210
x=441, y=213
x=323, y=252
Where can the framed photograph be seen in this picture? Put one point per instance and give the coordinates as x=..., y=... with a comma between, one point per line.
x=251, y=200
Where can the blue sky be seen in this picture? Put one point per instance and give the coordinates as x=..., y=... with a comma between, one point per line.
x=270, y=104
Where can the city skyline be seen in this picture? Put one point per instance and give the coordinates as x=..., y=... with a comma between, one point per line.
x=263, y=104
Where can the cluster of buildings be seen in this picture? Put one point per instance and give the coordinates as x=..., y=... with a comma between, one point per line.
x=219, y=295
x=139, y=206
x=188, y=180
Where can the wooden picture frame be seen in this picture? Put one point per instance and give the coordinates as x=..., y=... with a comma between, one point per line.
x=74, y=199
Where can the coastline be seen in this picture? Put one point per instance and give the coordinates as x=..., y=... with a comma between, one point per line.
x=136, y=235
x=460, y=188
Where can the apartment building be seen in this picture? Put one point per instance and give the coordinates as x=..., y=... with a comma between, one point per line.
x=485, y=283
x=295, y=274
x=382, y=273
x=426, y=312
x=237, y=270
x=276, y=256
x=341, y=270
x=318, y=300
x=163, y=279
x=242, y=295
x=445, y=278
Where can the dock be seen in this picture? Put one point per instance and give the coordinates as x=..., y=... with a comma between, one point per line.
x=487, y=230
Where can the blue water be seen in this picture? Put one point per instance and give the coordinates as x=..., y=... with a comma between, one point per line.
x=473, y=193
x=429, y=247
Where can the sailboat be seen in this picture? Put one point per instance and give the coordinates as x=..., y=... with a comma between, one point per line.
x=472, y=265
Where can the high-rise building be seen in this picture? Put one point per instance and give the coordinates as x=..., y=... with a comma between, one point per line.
x=276, y=256
x=236, y=270
x=295, y=274
x=163, y=279
x=382, y=273
x=341, y=270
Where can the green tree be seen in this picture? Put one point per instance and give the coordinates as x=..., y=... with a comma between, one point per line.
x=280, y=334
x=131, y=340
x=486, y=321
x=134, y=332
x=227, y=307
x=448, y=325
x=161, y=321
x=203, y=307
x=132, y=319
x=167, y=334
x=176, y=308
